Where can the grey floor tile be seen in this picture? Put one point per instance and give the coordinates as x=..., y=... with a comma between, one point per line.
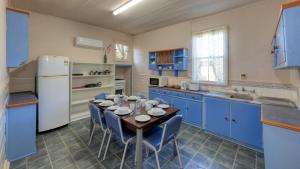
x=207, y=152
x=18, y=163
x=63, y=162
x=39, y=163
x=226, y=161
x=246, y=160
x=217, y=165
x=193, y=165
x=66, y=148
x=202, y=160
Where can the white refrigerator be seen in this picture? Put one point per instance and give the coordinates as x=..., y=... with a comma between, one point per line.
x=53, y=92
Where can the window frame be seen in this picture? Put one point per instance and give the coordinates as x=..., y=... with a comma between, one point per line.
x=128, y=51
x=225, y=57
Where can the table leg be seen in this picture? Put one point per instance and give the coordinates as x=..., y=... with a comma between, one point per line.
x=139, y=148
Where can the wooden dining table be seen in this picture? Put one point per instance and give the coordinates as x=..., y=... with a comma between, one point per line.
x=130, y=123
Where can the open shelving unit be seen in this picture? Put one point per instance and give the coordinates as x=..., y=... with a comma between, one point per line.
x=80, y=95
x=175, y=60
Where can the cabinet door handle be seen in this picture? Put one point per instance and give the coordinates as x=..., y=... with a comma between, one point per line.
x=226, y=118
x=233, y=120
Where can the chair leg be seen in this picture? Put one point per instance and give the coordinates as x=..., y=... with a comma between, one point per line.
x=157, y=160
x=108, y=143
x=124, y=155
x=177, y=149
x=92, y=133
x=102, y=142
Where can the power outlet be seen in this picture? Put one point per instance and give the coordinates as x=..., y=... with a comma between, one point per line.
x=243, y=76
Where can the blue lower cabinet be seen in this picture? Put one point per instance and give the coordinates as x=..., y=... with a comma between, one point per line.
x=20, y=132
x=217, y=116
x=167, y=98
x=281, y=148
x=194, y=113
x=153, y=95
x=245, y=123
x=180, y=104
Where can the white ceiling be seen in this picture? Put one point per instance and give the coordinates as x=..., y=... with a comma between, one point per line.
x=146, y=16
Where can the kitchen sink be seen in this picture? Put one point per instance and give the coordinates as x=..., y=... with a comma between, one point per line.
x=241, y=96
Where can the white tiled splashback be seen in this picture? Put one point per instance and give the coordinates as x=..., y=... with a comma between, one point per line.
x=260, y=88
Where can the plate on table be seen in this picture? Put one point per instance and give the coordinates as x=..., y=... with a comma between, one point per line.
x=123, y=111
x=142, y=118
x=113, y=108
x=110, y=97
x=133, y=98
x=153, y=102
x=106, y=103
x=163, y=106
x=99, y=101
x=156, y=112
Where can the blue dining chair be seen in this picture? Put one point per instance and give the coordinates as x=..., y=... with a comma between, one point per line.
x=160, y=136
x=114, y=126
x=97, y=118
x=101, y=96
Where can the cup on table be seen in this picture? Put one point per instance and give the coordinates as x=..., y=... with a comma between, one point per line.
x=132, y=106
x=148, y=106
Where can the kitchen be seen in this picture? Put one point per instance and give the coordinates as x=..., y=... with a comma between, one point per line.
x=216, y=66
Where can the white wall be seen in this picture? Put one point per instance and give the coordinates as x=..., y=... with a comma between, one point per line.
x=251, y=28
x=3, y=81
x=51, y=35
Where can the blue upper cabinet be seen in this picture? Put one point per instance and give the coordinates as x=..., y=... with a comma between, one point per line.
x=245, y=123
x=17, y=37
x=286, y=40
x=175, y=60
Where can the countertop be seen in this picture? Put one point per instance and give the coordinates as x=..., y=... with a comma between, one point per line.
x=21, y=99
x=276, y=115
x=281, y=116
x=207, y=93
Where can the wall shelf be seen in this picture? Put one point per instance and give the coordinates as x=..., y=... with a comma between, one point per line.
x=81, y=96
x=175, y=60
x=88, y=76
x=92, y=88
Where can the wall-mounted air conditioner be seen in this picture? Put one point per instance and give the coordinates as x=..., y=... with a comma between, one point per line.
x=88, y=43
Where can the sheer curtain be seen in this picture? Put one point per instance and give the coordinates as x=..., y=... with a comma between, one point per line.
x=210, y=57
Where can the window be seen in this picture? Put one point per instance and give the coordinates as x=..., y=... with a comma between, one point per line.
x=121, y=52
x=210, y=57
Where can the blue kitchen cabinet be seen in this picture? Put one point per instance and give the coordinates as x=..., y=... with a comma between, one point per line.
x=20, y=131
x=154, y=93
x=17, y=38
x=175, y=60
x=217, y=116
x=166, y=96
x=286, y=50
x=180, y=104
x=193, y=113
x=245, y=123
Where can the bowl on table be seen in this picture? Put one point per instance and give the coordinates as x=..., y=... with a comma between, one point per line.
x=123, y=111
x=106, y=103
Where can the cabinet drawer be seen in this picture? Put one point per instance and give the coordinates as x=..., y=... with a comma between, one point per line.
x=154, y=90
x=166, y=92
x=178, y=94
x=193, y=96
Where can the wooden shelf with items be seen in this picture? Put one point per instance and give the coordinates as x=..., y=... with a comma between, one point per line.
x=175, y=60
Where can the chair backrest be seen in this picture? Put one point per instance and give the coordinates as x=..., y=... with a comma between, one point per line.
x=101, y=96
x=113, y=122
x=171, y=128
x=160, y=100
x=97, y=115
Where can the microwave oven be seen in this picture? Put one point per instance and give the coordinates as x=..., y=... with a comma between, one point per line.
x=158, y=81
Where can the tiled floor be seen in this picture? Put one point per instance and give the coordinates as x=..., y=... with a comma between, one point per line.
x=66, y=148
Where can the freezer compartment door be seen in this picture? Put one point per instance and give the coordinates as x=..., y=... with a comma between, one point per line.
x=53, y=102
x=53, y=65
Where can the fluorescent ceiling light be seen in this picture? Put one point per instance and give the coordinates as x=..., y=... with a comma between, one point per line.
x=126, y=6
